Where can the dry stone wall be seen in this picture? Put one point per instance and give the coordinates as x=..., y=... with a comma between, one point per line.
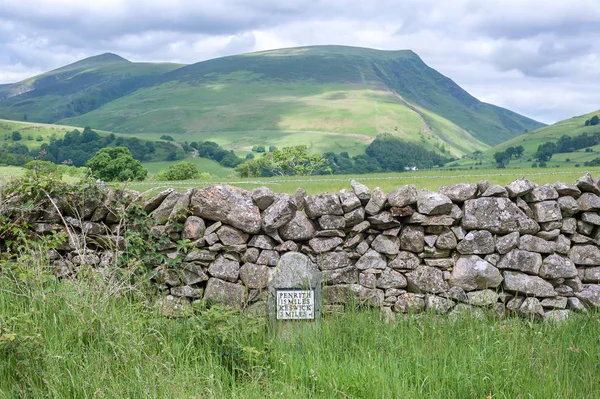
x=521, y=248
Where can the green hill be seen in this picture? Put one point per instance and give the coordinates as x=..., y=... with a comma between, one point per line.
x=530, y=141
x=332, y=98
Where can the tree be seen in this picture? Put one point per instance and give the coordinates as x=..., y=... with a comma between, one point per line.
x=502, y=158
x=16, y=136
x=167, y=137
x=287, y=161
x=594, y=120
x=519, y=151
x=116, y=163
x=180, y=171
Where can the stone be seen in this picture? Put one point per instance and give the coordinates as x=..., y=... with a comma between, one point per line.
x=362, y=248
x=262, y=241
x=473, y=273
x=524, y=207
x=446, y=240
x=442, y=220
x=344, y=275
x=556, y=266
x=431, y=203
x=333, y=260
x=268, y=257
x=568, y=206
x=254, y=276
x=86, y=259
x=403, y=196
x=174, y=307
x=519, y=187
x=199, y=256
x=180, y=211
x=554, y=303
x=548, y=235
x=459, y=192
x=482, y=298
x=433, y=252
x=387, y=245
x=440, y=263
x=232, y=236
x=323, y=204
x=361, y=191
x=332, y=222
x=349, y=200
x=409, y=303
x=187, y=291
x=405, y=261
x=543, y=193
x=163, y=211
x=154, y=202
x=591, y=275
x=551, y=226
x=377, y=202
x=287, y=246
x=352, y=293
x=558, y=315
x=459, y=232
x=225, y=269
x=589, y=202
x=299, y=228
x=391, y=279
x=591, y=218
x=546, y=211
x=574, y=283
x=368, y=280
x=263, y=197
x=581, y=239
x=482, y=186
x=585, y=255
x=531, y=307
x=563, y=245
x=507, y=243
x=412, y=238
x=426, y=279
x=438, y=304
x=354, y=217
x=536, y=244
x=590, y=295
x=371, y=260
x=514, y=304
x=495, y=190
x=324, y=244
x=279, y=213
x=524, y=261
x=587, y=183
x=527, y=285
x=383, y=220
x=299, y=198
x=193, y=273
x=227, y=204
x=569, y=226
x=402, y=212
x=477, y=242
x=193, y=228
x=223, y=293
x=575, y=304
x=497, y=215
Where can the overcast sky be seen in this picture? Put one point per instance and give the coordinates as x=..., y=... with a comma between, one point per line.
x=540, y=58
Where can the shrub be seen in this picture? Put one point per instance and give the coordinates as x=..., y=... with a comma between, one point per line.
x=180, y=171
x=167, y=137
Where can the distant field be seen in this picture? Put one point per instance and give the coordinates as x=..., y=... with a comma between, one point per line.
x=386, y=181
x=30, y=132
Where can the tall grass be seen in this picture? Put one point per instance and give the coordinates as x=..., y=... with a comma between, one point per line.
x=86, y=339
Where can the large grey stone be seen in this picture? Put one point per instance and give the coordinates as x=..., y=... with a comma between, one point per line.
x=585, y=255
x=536, y=244
x=362, y=192
x=497, y=215
x=527, y=285
x=230, y=205
x=153, y=203
x=556, y=266
x=591, y=275
x=519, y=187
x=568, y=206
x=371, y=260
x=524, y=261
x=459, y=192
x=187, y=291
x=332, y=222
x=323, y=204
x=352, y=293
x=591, y=218
x=268, y=257
x=193, y=273
x=333, y=260
x=546, y=211
x=231, y=236
x=262, y=241
x=507, y=243
x=403, y=196
x=376, y=203
x=531, y=307
x=482, y=298
x=588, y=184
x=299, y=228
x=320, y=245
x=163, y=211
x=590, y=295
x=224, y=293
x=426, y=279
x=405, y=261
x=589, y=202
x=391, y=279
x=438, y=304
x=477, y=242
x=263, y=197
x=279, y=213
x=349, y=200
x=344, y=275
x=431, y=203
x=473, y=273
x=566, y=189
x=495, y=190
x=225, y=269
x=193, y=228
x=446, y=239
x=412, y=238
x=254, y=276
x=543, y=193
x=409, y=303
x=555, y=303
x=354, y=217
x=388, y=245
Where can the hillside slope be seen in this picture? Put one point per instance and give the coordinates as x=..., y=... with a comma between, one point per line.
x=76, y=88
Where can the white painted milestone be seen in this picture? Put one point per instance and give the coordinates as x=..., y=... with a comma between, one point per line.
x=295, y=304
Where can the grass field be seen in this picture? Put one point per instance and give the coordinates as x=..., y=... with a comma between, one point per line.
x=73, y=340
x=30, y=132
